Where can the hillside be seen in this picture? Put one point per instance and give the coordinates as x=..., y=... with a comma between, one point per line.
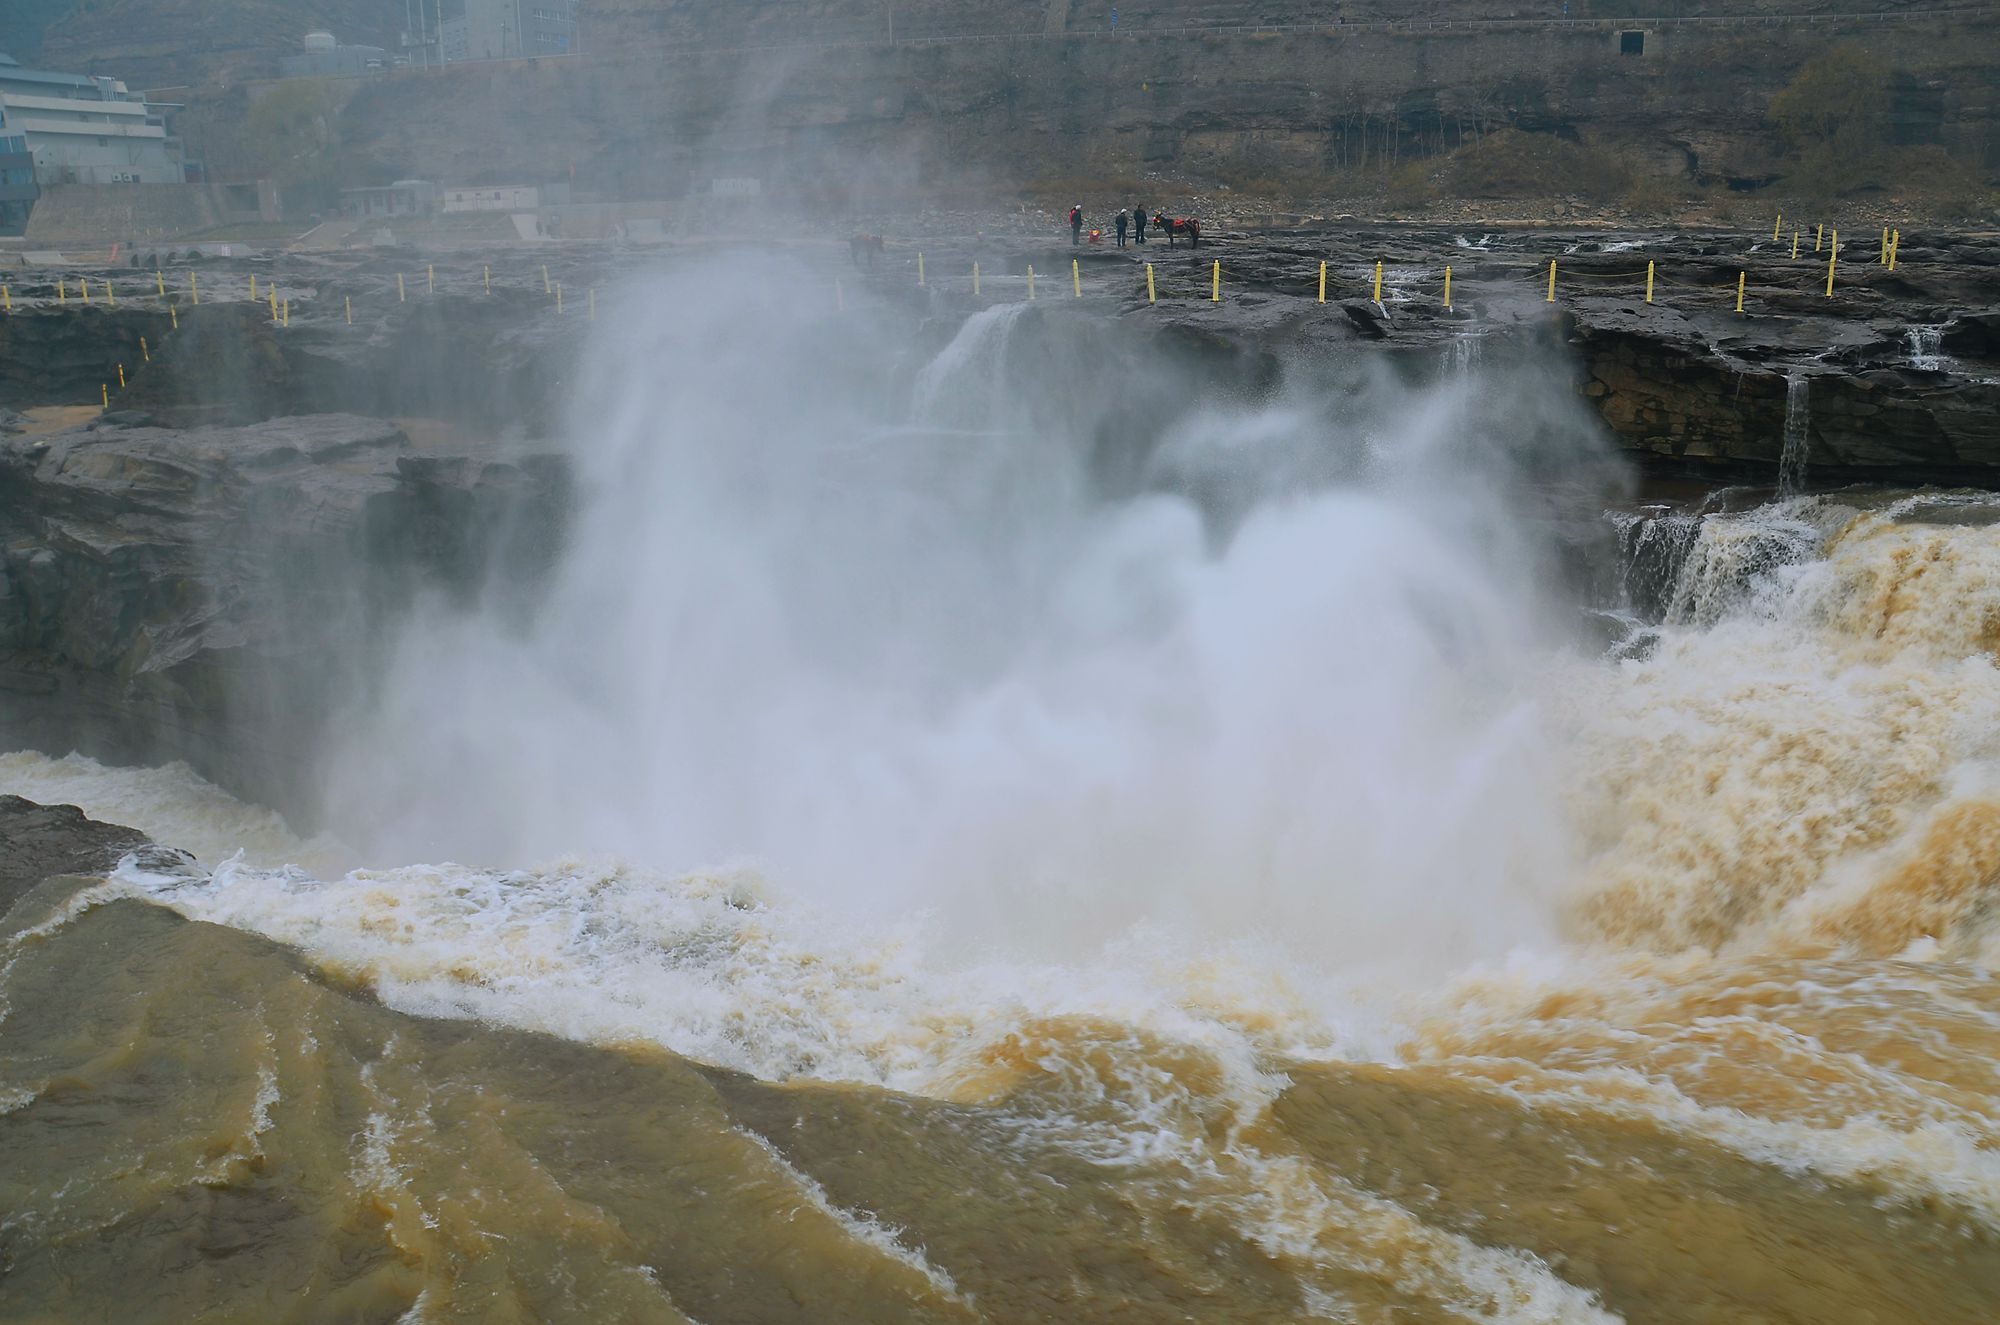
x=173, y=43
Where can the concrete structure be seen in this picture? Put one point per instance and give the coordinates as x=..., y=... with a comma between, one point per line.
x=494, y=198
x=82, y=130
x=508, y=29
x=325, y=57
x=406, y=197
x=18, y=189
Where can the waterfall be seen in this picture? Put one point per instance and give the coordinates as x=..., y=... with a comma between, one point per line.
x=1926, y=350
x=1463, y=353
x=1798, y=419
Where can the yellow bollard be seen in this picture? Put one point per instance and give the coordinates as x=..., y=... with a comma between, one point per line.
x=1152, y=295
x=7, y=298
x=401, y=295
x=488, y=272
x=1776, y=226
x=105, y=387
x=546, y=287
x=836, y=292
x=1552, y=282
x=1739, y=291
x=175, y=314
x=1819, y=236
x=121, y=377
x=350, y=310
x=1895, y=243
x=1075, y=279
x=62, y=291
x=1795, y=244
x=110, y=295
x=1884, y=259
x=1031, y=282
x=273, y=292
x=194, y=287
x=145, y=355
x=431, y=278
x=1447, y=290
x=253, y=287
x=975, y=280
x=1378, y=282
x=1832, y=257
x=920, y=271
x=1649, y=282
x=1215, y=289
x=1322, y=282
x=85, y=283
x=286, y=321
x=161, y=278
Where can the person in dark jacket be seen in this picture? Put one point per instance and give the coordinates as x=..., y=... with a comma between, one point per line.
x=1122, y=222
x=1076, y=224
x=1139, y=224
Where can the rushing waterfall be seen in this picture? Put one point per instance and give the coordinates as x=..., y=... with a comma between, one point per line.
x=1462, y=353
x=1798, y=419
x=1926, y=348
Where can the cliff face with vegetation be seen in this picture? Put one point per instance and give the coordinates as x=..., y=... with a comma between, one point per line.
x=645, y=115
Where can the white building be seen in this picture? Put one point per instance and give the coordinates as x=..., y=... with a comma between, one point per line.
x=493, y=198
x=82, y=130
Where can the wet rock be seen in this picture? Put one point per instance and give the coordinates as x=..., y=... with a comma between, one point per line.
x=216, y=595
x=40, y=841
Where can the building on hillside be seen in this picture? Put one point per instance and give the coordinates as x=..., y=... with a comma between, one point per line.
x=325, y=57
x=82, y=130
x=493, y=198
x=406, y=197
x=508, y=29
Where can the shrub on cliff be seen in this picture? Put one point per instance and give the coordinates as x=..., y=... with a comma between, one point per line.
x=1513, y=164
x=1830, y=117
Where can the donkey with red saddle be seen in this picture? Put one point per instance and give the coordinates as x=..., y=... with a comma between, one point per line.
x=1175, y=227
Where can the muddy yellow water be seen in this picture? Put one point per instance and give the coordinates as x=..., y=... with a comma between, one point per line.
x=200, y=1124
x=1752, y=1074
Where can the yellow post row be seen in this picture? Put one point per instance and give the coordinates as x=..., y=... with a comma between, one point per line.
x=1215, y=288
x=1378, y=282
x=62, y=291
x=1819, y=236
x=161, y=278
x=1739, y=291
x=1152, y=295
x=105, y=387
x=1776, y=226
x=1322, y=284
x=1795, y=243
x=1447, y=286
x=286, y=320
x=121, y=377
x=110, y=295
x=145, y=355
x=1075, y=279
x=253, y=287
x=1552, y=282
x=85, y=283
x=1649, y=282
x=1884, y=259
x=1832, y=257
x=1895, y=247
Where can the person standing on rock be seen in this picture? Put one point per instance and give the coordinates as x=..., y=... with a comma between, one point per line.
x=1076, y=224
x=1123, y=221
x=1139, y=224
